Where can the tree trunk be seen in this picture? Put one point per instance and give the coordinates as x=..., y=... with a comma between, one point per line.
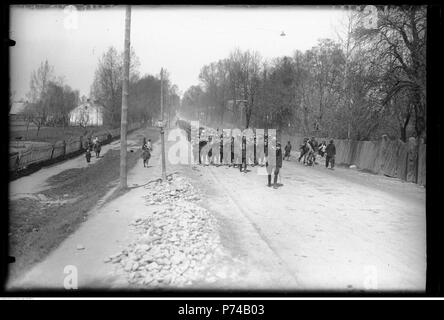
x=404, y=129
x=27, y=128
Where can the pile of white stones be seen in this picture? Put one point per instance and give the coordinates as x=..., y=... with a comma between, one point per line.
x=175, y=244
x=169, y=192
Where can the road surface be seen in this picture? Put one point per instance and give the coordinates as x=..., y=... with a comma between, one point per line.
x=329, y=230
x=321, y=230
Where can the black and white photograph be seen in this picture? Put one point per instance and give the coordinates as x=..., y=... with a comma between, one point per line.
x=220, y=148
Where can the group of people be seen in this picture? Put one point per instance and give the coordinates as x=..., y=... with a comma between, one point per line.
x=310, y=148
x=92, y=145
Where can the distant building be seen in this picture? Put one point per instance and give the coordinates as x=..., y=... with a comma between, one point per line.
x=87, y=114
x=17, y=107
x=17, y=119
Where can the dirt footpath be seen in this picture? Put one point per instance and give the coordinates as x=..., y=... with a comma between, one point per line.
x=49, y=205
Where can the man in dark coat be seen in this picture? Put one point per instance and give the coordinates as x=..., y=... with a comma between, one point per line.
x=287, y=151
x=331, y=153
x=97, y=148
x=277, y=168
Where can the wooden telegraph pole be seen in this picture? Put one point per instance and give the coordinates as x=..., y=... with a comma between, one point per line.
x=123, y=121
x=162, y=134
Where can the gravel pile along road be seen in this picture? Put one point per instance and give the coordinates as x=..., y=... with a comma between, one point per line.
x=175, y=245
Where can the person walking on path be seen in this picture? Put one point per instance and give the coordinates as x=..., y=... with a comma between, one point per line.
x=146, y=155
x=97, y=148
x=88, y=155
x=89, y=143
x=146, y=151
x=331, y=153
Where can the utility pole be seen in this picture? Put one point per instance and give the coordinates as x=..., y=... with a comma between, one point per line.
x=162, y=134
x=123, y=120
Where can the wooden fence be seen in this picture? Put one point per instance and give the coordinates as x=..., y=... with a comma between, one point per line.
x=393, y=158
x=39, y=154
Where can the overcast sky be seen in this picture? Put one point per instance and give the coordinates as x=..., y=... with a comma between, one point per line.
x=181, y=39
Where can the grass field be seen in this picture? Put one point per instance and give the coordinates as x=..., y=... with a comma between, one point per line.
x=37, y=227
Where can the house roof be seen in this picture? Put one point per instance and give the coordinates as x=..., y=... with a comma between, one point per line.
x=89, y=105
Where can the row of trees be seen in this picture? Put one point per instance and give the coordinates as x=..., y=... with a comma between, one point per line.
x=367, y=83
x=144, y=92
x=49, y=99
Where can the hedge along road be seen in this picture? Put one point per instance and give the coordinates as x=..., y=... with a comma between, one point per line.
x=48, y=205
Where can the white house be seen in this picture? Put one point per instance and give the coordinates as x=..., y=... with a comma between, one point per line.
x=87, y=114
x=17, y=107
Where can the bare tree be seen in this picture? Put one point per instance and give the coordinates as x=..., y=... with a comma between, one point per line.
x=39, y=81
x=107, y=84
x=400, y=42
x=37, y=109
x=83, y=118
